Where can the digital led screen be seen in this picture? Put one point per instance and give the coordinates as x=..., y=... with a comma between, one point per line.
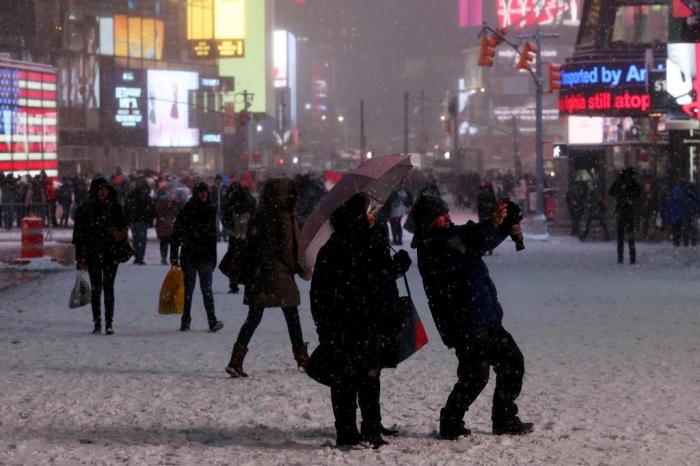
x=520, y=14
x=168, y=108
x=28, y=120
x=216, y=28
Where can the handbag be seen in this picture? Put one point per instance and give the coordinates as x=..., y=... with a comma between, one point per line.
x=81, y=293
x=172, y=293
x=123, y=251
x=411, y=336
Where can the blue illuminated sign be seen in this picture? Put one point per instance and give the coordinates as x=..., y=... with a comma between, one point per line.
x=610, y=74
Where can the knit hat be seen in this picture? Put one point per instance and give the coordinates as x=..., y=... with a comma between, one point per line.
x=426, y=209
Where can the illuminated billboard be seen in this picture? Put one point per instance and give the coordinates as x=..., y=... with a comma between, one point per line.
x=28, y=119
x=253, y=72
x=132, y=36
x=168, y=108
x=520, y=14
x=470, y=13
x=216, y=28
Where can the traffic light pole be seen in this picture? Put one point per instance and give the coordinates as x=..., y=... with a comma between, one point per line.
x=498, y=36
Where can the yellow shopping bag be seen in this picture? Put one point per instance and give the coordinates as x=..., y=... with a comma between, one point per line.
x=172, y=293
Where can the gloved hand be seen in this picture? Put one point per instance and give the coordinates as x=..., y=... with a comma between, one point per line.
x=514, y=215
x=402, y=260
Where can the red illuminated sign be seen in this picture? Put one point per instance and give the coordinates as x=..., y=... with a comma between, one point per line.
x=519, y=14
x=606, y=103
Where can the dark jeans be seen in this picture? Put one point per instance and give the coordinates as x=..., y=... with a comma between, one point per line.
x=396, y=230
x=8, y=216
x=164, y=244
x=205, y=271
x=65, y=214
x=676, y=229
x=625, y=225
x=102, y=276
x=139, y=234
x=576, y=224
x=492, y=346
x=599, y=216
x=345, y=397
x=291, y=315
x=690, y=231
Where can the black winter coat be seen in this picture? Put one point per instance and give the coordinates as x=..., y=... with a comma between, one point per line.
x=194, y=234
x=96, y=222
x=139, y=206
x=354, y=300
x=461, y=295
x=627, y=192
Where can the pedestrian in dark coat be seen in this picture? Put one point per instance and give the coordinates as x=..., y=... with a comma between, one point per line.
x=100, y=225
x=65, y=199
x=193, y=246
x=464, y=304
x=354, y=305
x=690, y=216
x=239, y=207
x=576, y=202
x=166, y=210
x=674, y=213
x=270, y=264
x=139, y=214
x=627, y=191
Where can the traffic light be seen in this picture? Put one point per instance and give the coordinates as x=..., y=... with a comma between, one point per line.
x=527, y=56
x=554, y=77
x=488, y=50
x=448, y=125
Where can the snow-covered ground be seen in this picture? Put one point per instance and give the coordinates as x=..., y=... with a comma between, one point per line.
x=611, y=356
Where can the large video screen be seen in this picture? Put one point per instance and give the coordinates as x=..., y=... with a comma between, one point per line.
x=168, y=108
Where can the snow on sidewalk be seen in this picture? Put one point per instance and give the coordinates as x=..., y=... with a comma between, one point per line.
x=611, y=373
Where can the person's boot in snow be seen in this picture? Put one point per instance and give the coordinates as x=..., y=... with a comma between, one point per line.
x=388, y=432
x=184, y=325
x=235, y=366
x=218, y=325
x=97, y=329
x=108, y=328
x=451, y=427
x=301, y=356
x=371, y=433
x=513, y=426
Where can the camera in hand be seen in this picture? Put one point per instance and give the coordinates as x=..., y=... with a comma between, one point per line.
x=516, y=231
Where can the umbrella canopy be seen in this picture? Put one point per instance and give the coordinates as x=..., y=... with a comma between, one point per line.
x=377, y=177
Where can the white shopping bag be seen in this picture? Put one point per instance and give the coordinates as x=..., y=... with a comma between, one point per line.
x=80, y=296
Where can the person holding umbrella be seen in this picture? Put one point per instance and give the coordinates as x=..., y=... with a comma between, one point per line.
x=354, y=305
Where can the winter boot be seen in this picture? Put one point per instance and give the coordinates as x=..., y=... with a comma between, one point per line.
x=184, y=325
x=371, y=433
x=347, y=436
x=451, y=427
x=389, y=432
x=97, y=329
x=512, y=426
x=218, y=325
x=108, y=328
x=235, y=366
x=301, y=356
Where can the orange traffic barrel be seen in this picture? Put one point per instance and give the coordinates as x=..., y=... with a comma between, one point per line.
x=32, y=237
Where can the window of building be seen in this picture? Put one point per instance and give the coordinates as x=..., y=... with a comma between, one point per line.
x=641, y=24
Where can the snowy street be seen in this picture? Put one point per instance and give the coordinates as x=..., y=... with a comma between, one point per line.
x=611, y=355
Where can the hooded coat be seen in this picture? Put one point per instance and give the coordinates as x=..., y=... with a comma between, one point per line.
x=461, y=295
x=354, y=295
x=270, y=258
x=194, y=236
x=96, y=221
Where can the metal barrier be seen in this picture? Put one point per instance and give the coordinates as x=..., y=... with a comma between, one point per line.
x=27, y=210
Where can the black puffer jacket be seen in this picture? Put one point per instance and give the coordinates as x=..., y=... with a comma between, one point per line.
x=354, y=295
x=461, y=295
x=96, y=222
x=194, y=233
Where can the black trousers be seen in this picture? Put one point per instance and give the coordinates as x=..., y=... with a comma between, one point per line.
x=396, y=230
x=492, y=346
x=625, y=227
x=204, y=270
x=102, y=276
x=362, y=390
